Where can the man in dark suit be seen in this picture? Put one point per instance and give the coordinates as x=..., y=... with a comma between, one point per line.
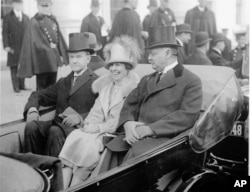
x=215, y=53
x=183, y=36
x=93, y=23
x=72, y=96
x=165, y=103
x=151, y=7
x=44, y=48
x=14, y=25
x=199, y=56
x=200, y=18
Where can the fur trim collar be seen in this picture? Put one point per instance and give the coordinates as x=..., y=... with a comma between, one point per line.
x=128, y=83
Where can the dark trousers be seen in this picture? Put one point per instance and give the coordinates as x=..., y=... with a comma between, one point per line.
x=44, y=80
x=17, y=83
x=45, y=138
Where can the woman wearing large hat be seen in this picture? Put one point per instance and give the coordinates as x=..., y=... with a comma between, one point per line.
x=81, y=151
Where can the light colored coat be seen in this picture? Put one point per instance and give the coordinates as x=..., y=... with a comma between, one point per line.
x=83, y=149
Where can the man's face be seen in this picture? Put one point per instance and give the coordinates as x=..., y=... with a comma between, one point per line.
x=241, y=41
x=164, y=4
x=17, y=6
x=45, y=9
x=186, y=37
x=95, y=10
x=134, y=3
x=79, y=61
x=152, y=9
x=157, y=58
x=221, y=45
x=202, y=3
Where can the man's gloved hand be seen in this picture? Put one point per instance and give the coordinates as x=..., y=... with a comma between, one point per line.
x=9, y=50
x=131, y=135
x=72, y=120
x=32, y=115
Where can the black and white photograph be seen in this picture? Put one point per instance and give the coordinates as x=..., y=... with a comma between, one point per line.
x=124, y=96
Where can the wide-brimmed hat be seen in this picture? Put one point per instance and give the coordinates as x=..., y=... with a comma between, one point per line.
x=44, y=2
x=118, y=54
x=79, y=42
x=161, y=37
x=152, y=3
x=217, y=37
x=201, y=38
x=183, y=28
x=92, y=41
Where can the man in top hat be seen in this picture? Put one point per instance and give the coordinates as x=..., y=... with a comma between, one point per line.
x=163, y=16
x=165, y=103
x=14, y=24
x=183, y=36
x=200, y=18
x=72, y=96
x=240, y=51
x=127, y=22
x=44, y=48
x=199, y=56
x=215, y=53
x=93, y=23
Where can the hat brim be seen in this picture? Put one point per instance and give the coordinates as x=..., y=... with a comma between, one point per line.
x=203, y=42
x=184, y=31
x=98, y=47
x=91, y=51
x=161, y=45
x=133, y=64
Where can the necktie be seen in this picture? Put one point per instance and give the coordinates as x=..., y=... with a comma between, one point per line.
x=74, y=80
x=19, y=17
x=158, y=77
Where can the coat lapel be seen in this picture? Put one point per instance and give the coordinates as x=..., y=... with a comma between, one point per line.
x=15, y=19
x=81, y=81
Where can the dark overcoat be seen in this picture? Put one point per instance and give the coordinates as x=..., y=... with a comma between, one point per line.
x=198, y=58
x=13, y=32
x=145, y=22
x=237, y=54
x=37, y=55
x=91, y=24
x=160, y=18
x=201, y=20
x=181, y=53
x=61, y=95
x=168, y=107
x=217, y=59
x=127, y=22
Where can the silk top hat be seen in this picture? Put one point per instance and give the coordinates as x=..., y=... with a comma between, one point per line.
x=44, y=2
x=95, y=3
x=183, y=28
x=217, y=37
x=79, y=42
x=152, y=3
x=161, y=37
x=92, y=41
x=201, y=38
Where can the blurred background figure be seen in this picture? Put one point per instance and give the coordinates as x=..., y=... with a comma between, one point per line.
x=127, y=22
x=183, y=36
x=200, y=18
x=228, y=45
x=14, y=24
x=241, y=50
x=202, y=45
x=151, y=7
x=44, y=48
x=163, y=16
x=93, y=23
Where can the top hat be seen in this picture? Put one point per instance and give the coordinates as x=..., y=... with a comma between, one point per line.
x=241, y=31
x=79, y=42
x=201, y=38
x=95, y=3
x=217, y=37
x=183, y=28
x=152, y=3
x=161, y=37
x=92, y=41
x=118, y=54
x=44, y=2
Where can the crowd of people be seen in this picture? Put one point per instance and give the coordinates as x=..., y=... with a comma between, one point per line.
x=146, y=112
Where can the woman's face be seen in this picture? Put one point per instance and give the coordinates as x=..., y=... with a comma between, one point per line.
x=118, y=71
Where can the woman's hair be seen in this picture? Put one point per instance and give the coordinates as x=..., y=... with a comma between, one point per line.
x=128, y=43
